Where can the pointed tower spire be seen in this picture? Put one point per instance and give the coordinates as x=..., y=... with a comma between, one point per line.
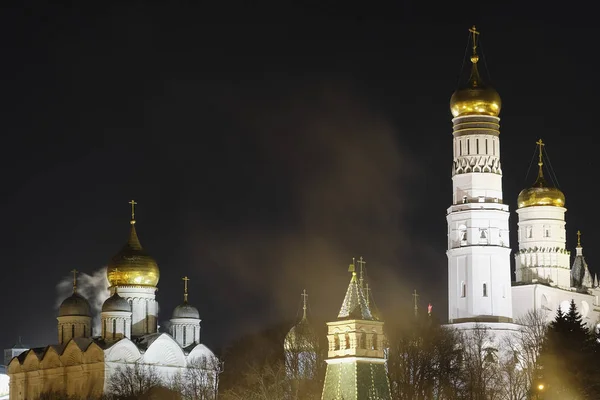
x=580, y=274
x=595, y=280
x=354, y=305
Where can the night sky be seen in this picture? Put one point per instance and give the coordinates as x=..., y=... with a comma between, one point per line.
x=267, y=146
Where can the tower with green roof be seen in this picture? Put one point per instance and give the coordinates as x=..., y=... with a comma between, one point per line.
x=356, y=365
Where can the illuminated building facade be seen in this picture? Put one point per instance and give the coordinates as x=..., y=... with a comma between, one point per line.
x=356, y=364
x=81, y=364
x=480, y=290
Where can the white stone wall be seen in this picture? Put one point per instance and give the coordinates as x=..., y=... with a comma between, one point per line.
x=542, y=254
x=185, y=330
x=115, y=325
x=548, y=299
x=144, y=308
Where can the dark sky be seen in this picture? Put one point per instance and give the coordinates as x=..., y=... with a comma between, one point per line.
x=267, y=146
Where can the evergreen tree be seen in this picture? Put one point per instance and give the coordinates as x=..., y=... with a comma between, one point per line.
x=567, y=357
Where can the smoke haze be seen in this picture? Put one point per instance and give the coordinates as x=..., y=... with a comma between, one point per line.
x=93, y=287
x=340, y=186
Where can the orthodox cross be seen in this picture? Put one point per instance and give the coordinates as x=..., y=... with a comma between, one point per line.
x=415, y=295
x=361, y=264
x=74, y=272
x=540, y=144
x=133, y=204
x=473, y=30
x=578, y=238
x=185, y=292
x=304, y=297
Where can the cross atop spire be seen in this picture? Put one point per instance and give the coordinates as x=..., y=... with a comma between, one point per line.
x=74, y=272
x=304, y=297
x=133, y=204
x=578, y=238
x=361, y=264
x=475, y=33
x=185, y=288
x=367, y=294
x=415, y=296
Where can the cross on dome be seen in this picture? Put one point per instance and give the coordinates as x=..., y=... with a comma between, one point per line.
x=133, y=204
x=74, y=272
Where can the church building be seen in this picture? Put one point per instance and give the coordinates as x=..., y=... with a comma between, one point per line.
x=480, y=289
x=82, y=362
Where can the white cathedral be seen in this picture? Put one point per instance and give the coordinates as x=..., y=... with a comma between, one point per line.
x=480, y=290
x=82, y=364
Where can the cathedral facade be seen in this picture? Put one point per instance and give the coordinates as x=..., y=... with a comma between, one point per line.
x=81, y=364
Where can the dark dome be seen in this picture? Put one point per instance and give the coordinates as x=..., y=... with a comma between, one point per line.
x=116, y=303
x=186, y=310
x=75, y=305
x=301, y=337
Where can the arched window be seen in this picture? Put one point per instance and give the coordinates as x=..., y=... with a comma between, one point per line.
x=374, y=344
x=114, y=328
x=336, y=342
x=184, y=335
x=84, y=331
x=462, y=232
x=104, y=328
x=485, y=290
x=62, y=333
x=463, y=290
x=363, y=340
x=347, y=340
x=72, y=331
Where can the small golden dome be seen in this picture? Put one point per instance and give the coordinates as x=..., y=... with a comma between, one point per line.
x=541, y=194
x=475, y=98
x=132, y=265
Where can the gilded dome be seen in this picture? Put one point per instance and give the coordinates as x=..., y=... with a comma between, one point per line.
x=540, y=194
x=132, y=265
x=475, y=98
x=75, y=305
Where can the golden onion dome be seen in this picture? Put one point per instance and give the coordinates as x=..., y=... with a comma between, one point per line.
x=132, y=265
x=475, y=98
x=541, y=194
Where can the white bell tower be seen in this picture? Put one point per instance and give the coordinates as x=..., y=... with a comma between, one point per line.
x=479, y=280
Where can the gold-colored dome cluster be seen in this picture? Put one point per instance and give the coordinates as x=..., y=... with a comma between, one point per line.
x=540, y=194
x=475, y=98
x=132, y=265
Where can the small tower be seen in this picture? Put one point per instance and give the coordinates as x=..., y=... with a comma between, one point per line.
x=542, y=255
x=356, y=365
x=137, y=275
x=74, y=316
x=185, y=323
x=301, y=347
x=116, y=317
x=580, y=274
